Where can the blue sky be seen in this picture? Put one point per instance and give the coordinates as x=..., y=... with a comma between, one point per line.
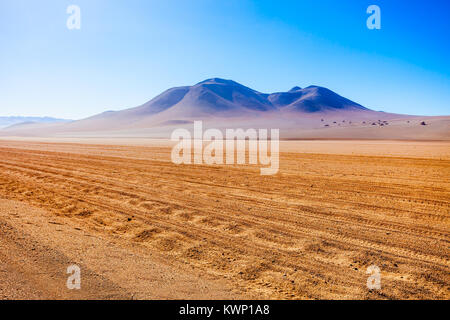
x=127, y=52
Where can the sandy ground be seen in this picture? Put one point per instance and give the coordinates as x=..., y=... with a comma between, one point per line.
x=142, y=227
x=385, y=148
x=36, y=248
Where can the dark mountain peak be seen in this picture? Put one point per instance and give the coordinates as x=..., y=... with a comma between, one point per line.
x=312, y=99
x=321, y=99
x=219, y=81
x=225, y=85
x=228, y=94
x=281, y=99
x=319, y=91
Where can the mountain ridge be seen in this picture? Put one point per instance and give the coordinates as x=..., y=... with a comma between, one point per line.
x=217, y=97
x=310, y=112
x=221, y=95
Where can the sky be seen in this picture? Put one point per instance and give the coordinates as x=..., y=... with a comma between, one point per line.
x=127, y=52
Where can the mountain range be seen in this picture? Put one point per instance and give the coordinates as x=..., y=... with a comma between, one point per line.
x=311, y=112
x=17, y=120
x=226, y=98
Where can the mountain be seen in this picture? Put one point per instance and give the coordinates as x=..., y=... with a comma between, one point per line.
x=299, y=113
x=227, y=98
x=218, y=98
x=312, y=99
x=10, y=121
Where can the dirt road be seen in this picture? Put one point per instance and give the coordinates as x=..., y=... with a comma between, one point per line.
x=142, y=227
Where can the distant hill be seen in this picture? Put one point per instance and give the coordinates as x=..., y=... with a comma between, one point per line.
x=10, y=121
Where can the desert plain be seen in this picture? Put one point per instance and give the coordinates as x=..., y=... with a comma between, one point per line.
x=141, y=227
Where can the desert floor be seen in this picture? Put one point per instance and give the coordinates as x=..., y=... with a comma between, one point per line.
x=140, y=226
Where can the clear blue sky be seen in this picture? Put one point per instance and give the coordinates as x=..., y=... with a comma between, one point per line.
x=126, y=52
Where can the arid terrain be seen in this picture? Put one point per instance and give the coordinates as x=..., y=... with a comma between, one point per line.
x=141, y=227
